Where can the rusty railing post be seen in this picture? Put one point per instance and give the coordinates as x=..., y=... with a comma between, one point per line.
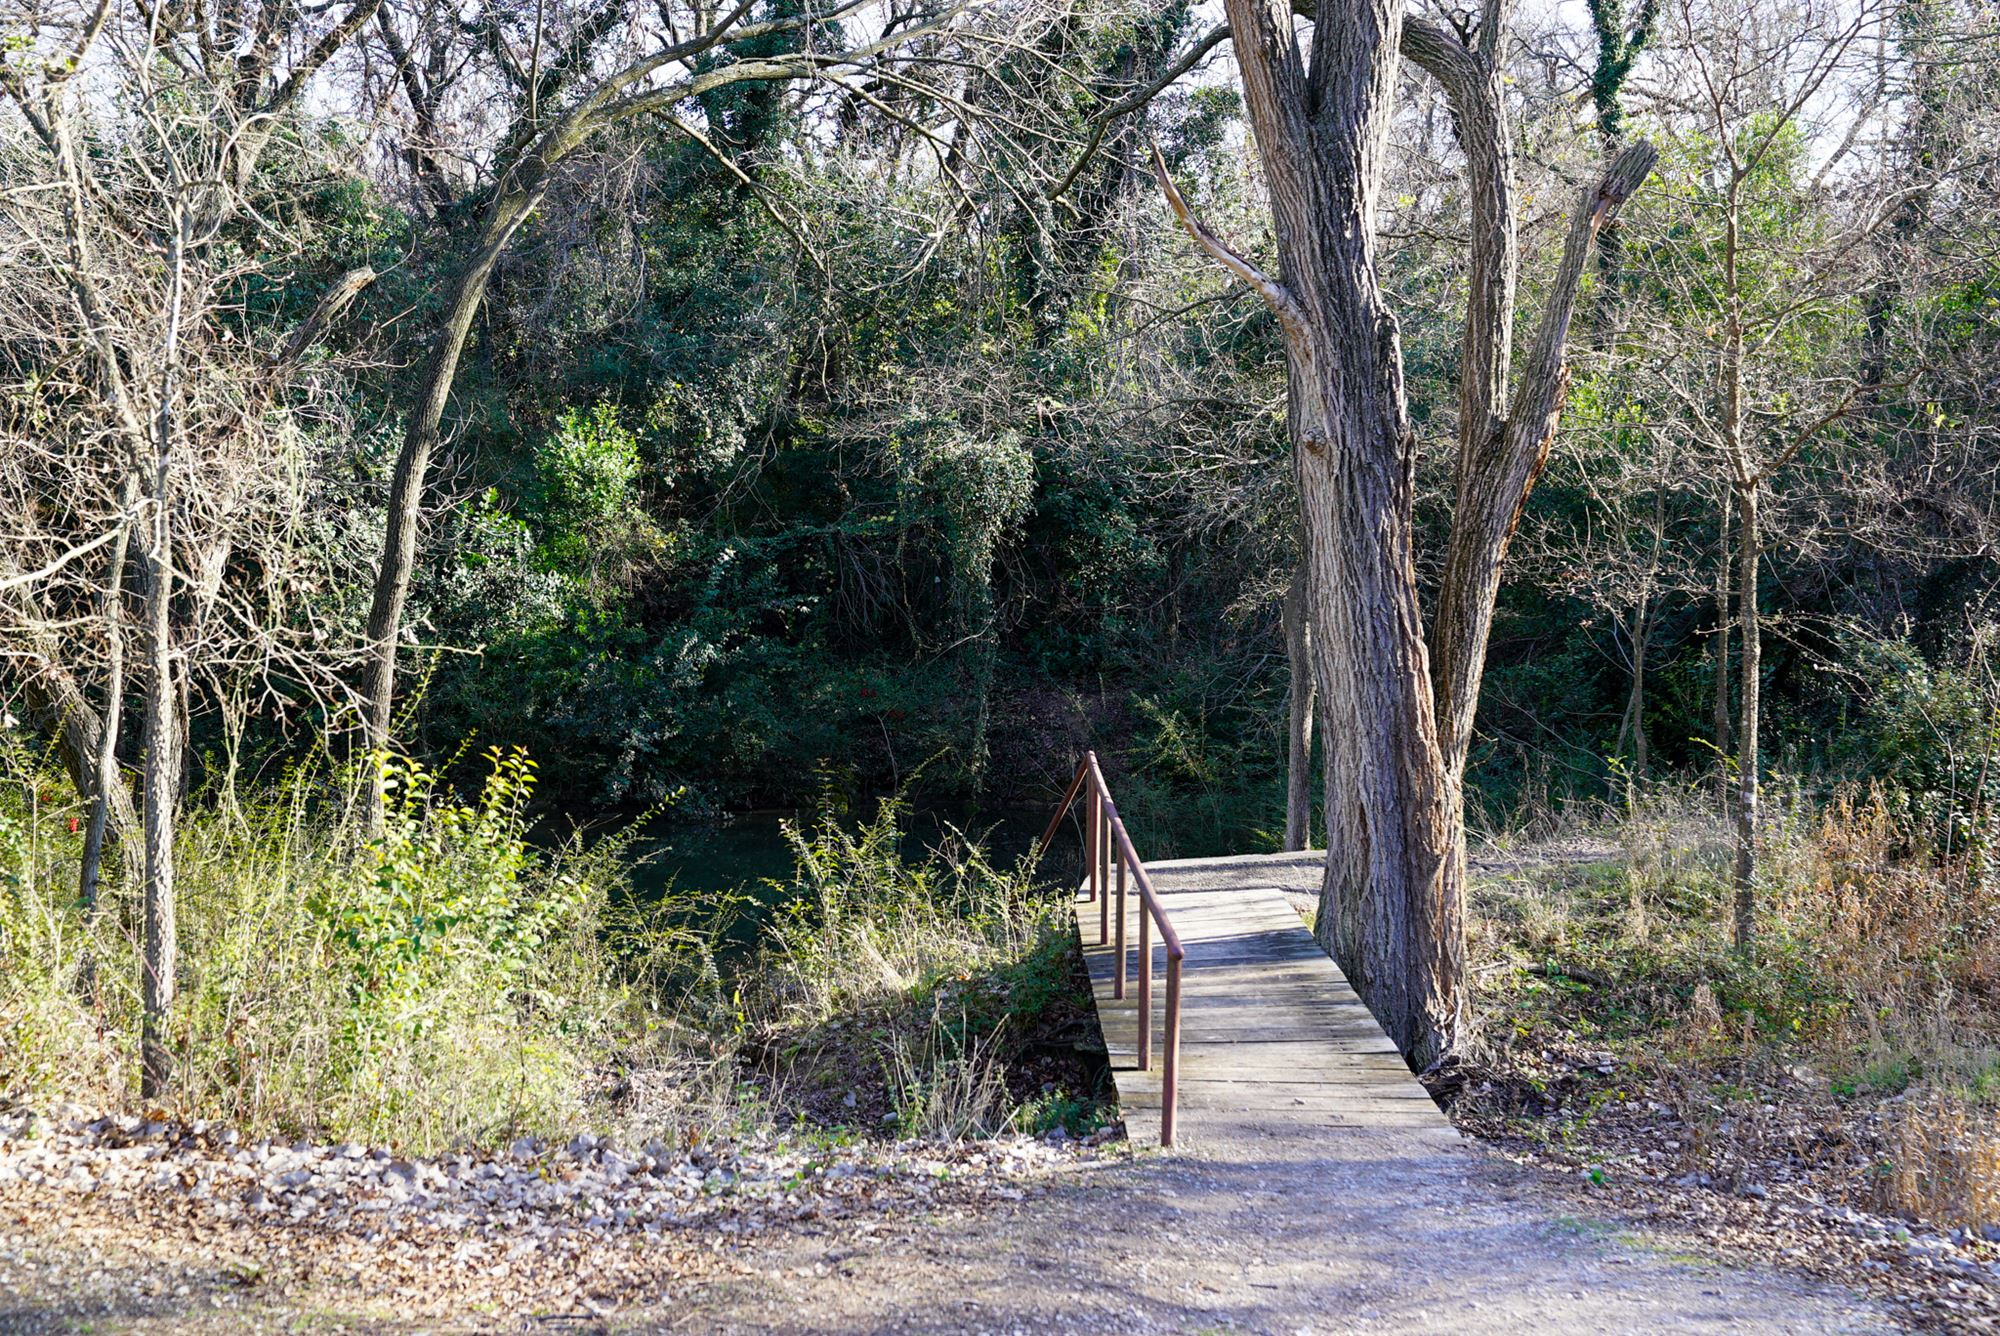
x=1106, y=840
x=1145, y=991
x=1171, y=1069
x=1118, y=979
x=1107, y=826
x=1093, y=837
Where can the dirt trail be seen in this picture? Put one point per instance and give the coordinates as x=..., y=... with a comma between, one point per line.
x=1350, y=1233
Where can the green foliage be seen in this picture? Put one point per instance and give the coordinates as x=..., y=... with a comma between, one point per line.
x=447, y=983
x=1931, y=731
x=445, y=891
x=1075, y=1114
x=588, y=468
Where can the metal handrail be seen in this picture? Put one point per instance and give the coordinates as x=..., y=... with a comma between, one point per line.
x=1100, y=854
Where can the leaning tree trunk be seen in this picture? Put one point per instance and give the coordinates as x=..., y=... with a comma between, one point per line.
x=1501, y=460
x=1301, y=702
x=406, y=490
x=515, y=198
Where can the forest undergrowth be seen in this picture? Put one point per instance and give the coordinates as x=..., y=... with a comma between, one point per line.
x=454, y=982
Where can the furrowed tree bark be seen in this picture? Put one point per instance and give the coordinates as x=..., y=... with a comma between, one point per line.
x=160, y=954
x=1321, y=135
x=1499, y=464
x=1300, y=703
x=1395, y=738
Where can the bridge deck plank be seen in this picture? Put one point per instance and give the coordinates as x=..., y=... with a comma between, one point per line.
x=1271, y=1032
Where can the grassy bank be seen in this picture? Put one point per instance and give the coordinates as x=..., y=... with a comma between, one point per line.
x=1856, y=1058
x=451, y=982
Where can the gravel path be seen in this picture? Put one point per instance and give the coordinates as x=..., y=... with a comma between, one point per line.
x=1256, y=1223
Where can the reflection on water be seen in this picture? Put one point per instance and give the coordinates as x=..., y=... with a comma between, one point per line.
x=747, y=853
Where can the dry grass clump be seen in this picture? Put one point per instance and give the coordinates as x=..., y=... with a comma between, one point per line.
x=945, y=1085
x=922, y=994
x=1610, y=982
x=1943, y=1164
x=859, y=923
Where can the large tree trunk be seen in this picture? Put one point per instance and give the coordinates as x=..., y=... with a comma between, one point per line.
x=1399, y=877
x=1392, y=902
x=1394, y=879
x=1301, y=703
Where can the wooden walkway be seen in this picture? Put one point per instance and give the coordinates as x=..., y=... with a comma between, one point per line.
x=1272, y=1036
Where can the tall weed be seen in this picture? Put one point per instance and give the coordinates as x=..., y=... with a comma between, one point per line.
x=442, y=983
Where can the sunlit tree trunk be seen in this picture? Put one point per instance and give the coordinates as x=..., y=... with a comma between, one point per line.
x=160, y=954
x=1744, y=483
x=1300, y=708
x=1748, y=761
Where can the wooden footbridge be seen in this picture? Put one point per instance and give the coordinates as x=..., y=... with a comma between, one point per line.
x=1219, y=1009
